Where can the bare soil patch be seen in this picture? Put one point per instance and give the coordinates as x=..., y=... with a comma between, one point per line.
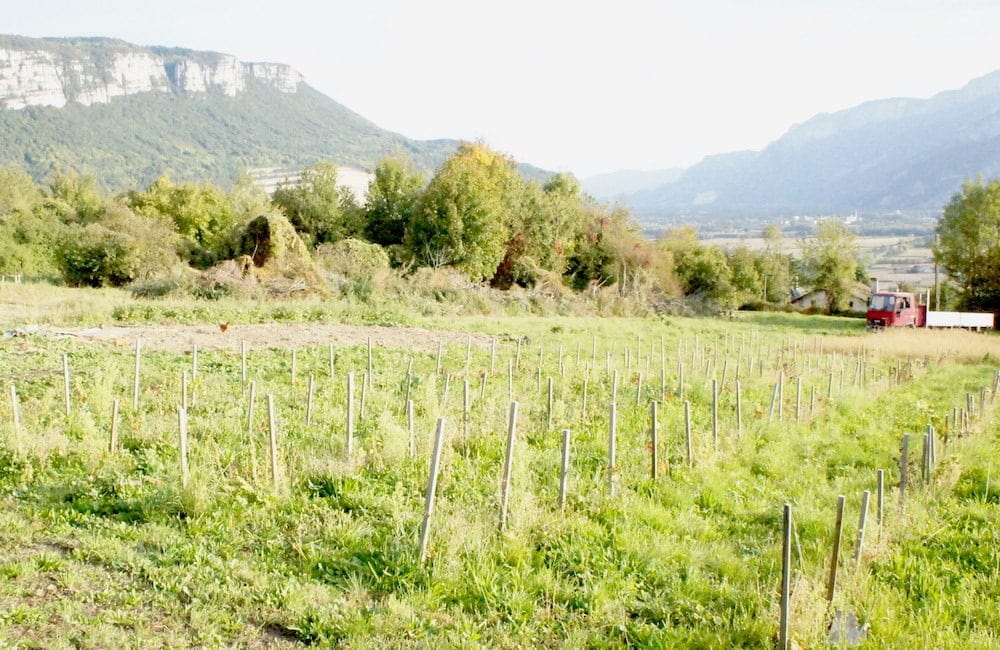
x=177, y=338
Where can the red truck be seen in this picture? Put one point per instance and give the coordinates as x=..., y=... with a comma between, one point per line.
x=901, y=309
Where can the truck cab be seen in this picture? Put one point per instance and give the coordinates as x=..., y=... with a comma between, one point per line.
x=895, y=309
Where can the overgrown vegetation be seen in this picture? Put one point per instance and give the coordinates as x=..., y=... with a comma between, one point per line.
x=103, y=549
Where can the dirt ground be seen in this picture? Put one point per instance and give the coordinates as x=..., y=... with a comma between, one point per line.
x=269, y=335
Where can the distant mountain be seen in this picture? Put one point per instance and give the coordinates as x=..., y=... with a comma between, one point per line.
x=614, y=185
x=882, y=156
x=126, y=114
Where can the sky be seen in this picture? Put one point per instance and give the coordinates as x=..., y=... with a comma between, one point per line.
x=581, y=86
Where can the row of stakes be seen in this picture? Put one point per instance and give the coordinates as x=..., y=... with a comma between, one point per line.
x=928, y=461
x=960, y=417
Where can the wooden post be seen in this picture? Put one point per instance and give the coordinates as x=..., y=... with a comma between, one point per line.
x=272, y=427
x=482, y=386
x=739, y=410
x=812, y=401
x=194, y=371
x=831, y=582
x=410, y=425
x=508, y=464
x=510, y=380
x=781, y=395
x=182, y=424
x=251, y=443
x=332, y=360
x=350, y=414
x=680, y=379
x=409, y=380
x=364, y=396
x=135, y=381
x=862, y=520
x=425, y=525
x=654, y=438
x=243, y=361
x=310, y=397
x=15, y=410
x=612, y=447
x=66, y=384
x=465, y=408
x=583, y=407
x=774, y=403
x=638, y=391
x=437, y=370
x=880, y=500
x=564, y=474
x=904, y=468
x=687, y=433
x=715, y=414
x=548, y=406
x=798, y=398
x=371, y=369
x=113, y=441
x=786, y=577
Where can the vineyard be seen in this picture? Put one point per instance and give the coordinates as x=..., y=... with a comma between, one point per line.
x=546, y=482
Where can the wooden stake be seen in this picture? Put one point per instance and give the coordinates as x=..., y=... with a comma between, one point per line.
x=113, y=441
x=786, y=575
x=687, y=433
x=880, y=500
x=831, y=582
x=350, y=414
x=654, y=435
x=612, y=449
x=183, y=426
x=411, y=427
x=508, y=464
x=739, y=410
x=333, y=359
x=310, y=396
x=251, y=443
x=904, y=468
x=715, y=414
x=272, y=427
x=15, y=410
x=66, y=384
x=243, y=361
x=564, y=474
x=862, y=520
x=425, y=525
x=135, y=382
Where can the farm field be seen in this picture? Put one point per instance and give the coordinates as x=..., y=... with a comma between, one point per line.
x=292, y=513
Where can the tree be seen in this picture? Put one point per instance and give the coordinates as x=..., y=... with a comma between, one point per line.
x=316, y=205
x=830, y=262
x=392, y=199
x=201, y=214
x=968, y=246
x=463, y=218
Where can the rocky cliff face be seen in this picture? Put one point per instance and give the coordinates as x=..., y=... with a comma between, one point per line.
x=56, y=72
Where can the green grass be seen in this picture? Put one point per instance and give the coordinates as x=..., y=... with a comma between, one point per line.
x=100, y=549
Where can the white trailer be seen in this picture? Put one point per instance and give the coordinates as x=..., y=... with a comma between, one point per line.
x=964, y=319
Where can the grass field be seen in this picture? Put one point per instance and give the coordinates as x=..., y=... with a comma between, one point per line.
x=104, y=547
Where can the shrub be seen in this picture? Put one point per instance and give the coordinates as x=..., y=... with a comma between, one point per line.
x=352, y=258
x=119, y=250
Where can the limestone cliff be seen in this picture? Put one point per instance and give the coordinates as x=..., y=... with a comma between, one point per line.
x=56, y=71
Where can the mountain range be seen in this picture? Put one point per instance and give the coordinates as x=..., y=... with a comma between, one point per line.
x=881, y=156
x=126, y=114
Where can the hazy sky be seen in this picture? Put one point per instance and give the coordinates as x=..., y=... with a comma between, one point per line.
x=580, y=86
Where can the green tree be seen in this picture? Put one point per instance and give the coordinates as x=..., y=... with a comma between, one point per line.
x=747, y=281
x=315, y=205
x=968, y=246
x=463, y=218
x=392, y=198
x=201, y=214
x=830, y=262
